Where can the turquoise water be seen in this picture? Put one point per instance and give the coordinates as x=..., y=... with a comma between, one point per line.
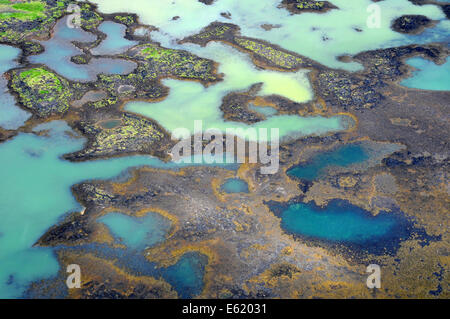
x=342, y=223
x=115, y=42
x=137, y=232
x=235, y=185
x=59, y=49
x=187, y=274
x=335, y=222
x=428, y=75
x=264, y=110
x=35, y=192
x=11, y=116
x=111, y=124
x=319, y=164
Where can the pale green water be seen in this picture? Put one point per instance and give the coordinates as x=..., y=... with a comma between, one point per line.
x=11, y=116
x=111, y=124
x=35, y=193
x=264, y=110
x=190, y=101
x=137, y=232
x=187, y=274
x=342, y=223
x=295, y=33
x=428, y=75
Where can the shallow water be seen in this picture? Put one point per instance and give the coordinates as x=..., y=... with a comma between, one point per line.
x=322, y=37
x=137, y=232
x=59, y=50
x=35, y=192
x=235, y=185
x=428, y=76
x=340, y=222
x=200, y=103
x=317, y=166
x=115, y=42
x=35, y=186
x=11, y=116
x=111, y=124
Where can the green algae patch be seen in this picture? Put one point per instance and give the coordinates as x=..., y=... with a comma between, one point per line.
x=347, y=91
x=31, y=48
x=22, y=11
x=89, y=18
x=132, y=134
x=300, y=6
x=140, y=86
x=41, y=91
x=215, y=31
x=277, y=57
x=127, y=20
x=19, y=21
x=158, y=61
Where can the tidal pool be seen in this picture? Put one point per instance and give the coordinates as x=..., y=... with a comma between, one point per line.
x=111, y=124
x=190, y=101
x=137, y=232
x=428, y=76
x=59, y=49
x=319, y=164
x=115, y=41
x=90, y=96
x=186, y=276
x=235, y=185
x=11, y=116
x=340, y=222
x=264, y=110
x=35, y=193
x=322, y=37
